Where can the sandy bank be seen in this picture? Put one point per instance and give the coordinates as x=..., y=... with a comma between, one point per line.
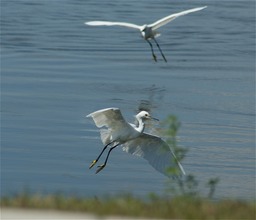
x=12, y=213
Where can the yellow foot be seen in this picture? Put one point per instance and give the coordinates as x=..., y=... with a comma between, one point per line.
x=93, y=163
x=100, y=168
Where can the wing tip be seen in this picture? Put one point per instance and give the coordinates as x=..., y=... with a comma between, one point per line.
x=201, y=8
x=89, y=22
x=181, y=168
x=198, y=9
x=101, y=110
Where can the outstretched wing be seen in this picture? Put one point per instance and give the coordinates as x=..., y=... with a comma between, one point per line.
x=171, y=17
x=113, y=120
x=109, y=23
x=108, y=117
x=156, y=151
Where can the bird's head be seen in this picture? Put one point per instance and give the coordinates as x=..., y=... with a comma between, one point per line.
x=144, y=115
x=143, y=30
x=143, y=27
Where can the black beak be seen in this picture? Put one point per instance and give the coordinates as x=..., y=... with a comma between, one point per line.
x=154, y=119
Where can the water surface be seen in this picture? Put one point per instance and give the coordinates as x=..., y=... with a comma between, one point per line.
x=55, y=71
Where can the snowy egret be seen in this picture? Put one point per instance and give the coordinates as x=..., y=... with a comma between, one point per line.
x=148, y=31
x=133, y=139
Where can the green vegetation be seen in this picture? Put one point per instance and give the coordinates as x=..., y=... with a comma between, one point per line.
x=180, y=207
x=188, y=185
x=182, y=200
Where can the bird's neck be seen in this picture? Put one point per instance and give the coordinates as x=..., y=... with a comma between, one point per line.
x=141, y=125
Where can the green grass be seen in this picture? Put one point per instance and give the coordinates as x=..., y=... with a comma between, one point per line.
x=180, y=207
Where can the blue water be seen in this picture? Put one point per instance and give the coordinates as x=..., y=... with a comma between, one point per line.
x=55, y=71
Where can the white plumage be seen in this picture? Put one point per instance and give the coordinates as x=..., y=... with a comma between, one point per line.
x=148, y=31
x=116, y=131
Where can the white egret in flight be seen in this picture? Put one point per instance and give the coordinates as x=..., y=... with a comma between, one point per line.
x=148, y=31
x=133, y=139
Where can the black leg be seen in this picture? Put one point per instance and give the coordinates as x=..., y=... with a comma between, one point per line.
x=104, y=164
x=152, y=50
x=160, y=49
x=95, y=161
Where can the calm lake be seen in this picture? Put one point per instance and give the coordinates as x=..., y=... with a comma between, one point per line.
x=55, y=70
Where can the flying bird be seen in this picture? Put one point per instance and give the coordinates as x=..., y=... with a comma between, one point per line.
x=148, y=31
x=116, y=131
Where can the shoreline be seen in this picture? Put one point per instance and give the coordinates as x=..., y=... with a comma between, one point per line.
x=19, y=213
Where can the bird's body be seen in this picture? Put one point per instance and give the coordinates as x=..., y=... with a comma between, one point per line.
x=133, y=139
x=120, y=131
x=148, y=31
